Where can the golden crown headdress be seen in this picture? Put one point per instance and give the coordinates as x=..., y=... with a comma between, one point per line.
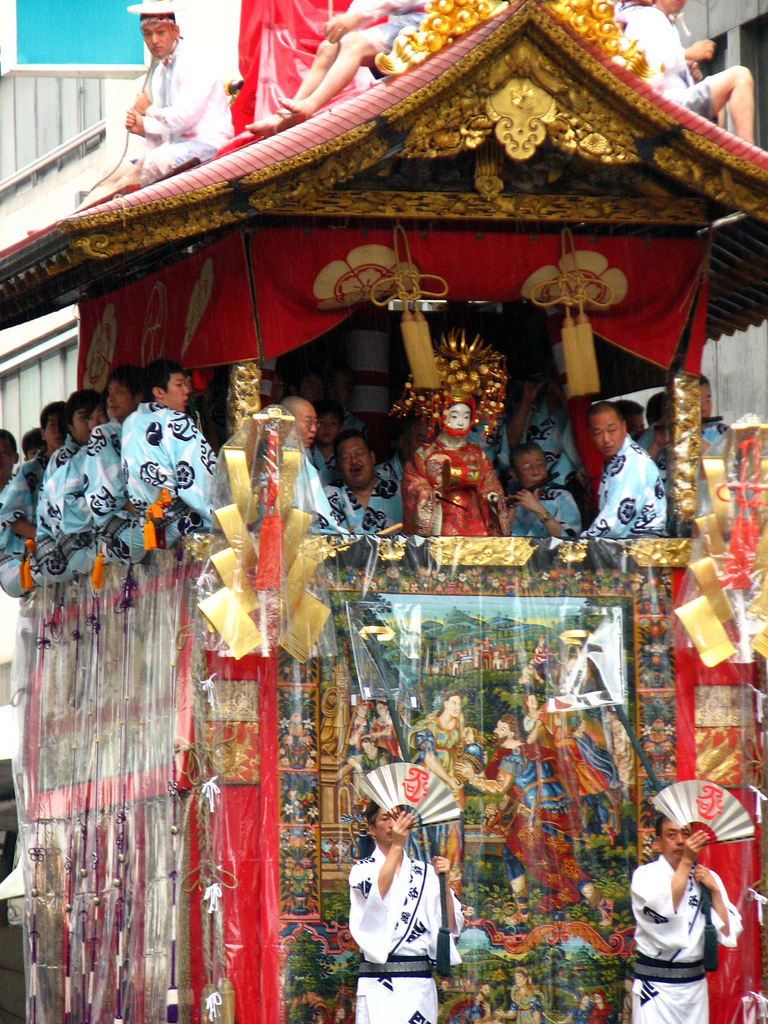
x=472, y=373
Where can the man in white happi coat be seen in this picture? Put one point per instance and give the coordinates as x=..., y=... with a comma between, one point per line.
x=395, y=919
x=670, y=985
x=187, y=115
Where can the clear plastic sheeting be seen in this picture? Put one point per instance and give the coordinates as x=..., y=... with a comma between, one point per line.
x=521, y=675
x=264, y=584
x=101, y=693
x=721, y=645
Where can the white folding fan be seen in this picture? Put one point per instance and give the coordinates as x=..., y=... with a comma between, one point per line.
x=706, y=806
x=403, y=784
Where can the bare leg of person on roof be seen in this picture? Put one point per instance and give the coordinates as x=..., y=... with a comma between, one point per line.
x=339, y=56
x=736, y=88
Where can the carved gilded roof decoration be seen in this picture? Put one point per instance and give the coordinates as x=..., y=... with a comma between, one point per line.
x=593, y=20
x=444, y=22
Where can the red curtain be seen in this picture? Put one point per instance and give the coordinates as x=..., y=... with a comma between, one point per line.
x=331, y=269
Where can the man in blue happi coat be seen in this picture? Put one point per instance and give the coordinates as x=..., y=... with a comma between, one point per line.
x=65, y=541
x=541, y=509
x=162, y=449
x=631, y=496
x=118, y=527
x=363, y=502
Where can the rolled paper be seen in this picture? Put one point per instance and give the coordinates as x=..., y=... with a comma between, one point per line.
x=233, y=577
x=714, y=471
x=305, y=626
x=236, y=532
x=289, y=470
x=706, y=631
x=301, y=572
x=296, y=526
x=231, y=621
x=240, y=482
x=709, y=584
x=709, y=527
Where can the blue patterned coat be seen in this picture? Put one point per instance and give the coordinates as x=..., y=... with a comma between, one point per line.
x=162, y=448
x=560, y=505
x=631, y=496
x=384, y=507
x=106, y=493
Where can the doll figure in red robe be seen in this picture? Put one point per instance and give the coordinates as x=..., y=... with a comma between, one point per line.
x=449, y=488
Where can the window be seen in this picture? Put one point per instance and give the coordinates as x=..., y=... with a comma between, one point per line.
x=40, y=114
x=754, y=55
x=47, y=376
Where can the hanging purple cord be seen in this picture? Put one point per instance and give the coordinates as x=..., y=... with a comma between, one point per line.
x=69, y=863
x=128, y=590
x=55, y=624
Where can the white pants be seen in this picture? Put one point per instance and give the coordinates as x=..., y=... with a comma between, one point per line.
x=659, y=1002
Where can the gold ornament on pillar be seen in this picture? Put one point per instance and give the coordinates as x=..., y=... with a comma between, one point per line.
x=570, y=288
x=405, y=283
x=244, y=398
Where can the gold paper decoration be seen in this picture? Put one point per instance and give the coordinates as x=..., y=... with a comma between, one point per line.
x=709, y=584
x=706, y=631
x=228, y=611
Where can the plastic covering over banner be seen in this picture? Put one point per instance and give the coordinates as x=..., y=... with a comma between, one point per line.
x=648, y=284
x=522, y=675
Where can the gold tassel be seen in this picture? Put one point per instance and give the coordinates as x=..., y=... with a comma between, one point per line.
x=419, y=351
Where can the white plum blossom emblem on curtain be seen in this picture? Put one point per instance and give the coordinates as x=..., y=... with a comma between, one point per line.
x=603, y=285
x=344, y=283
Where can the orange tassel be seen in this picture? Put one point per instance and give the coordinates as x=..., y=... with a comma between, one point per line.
x=25, y=569
x=150, y=537
x=97, y=574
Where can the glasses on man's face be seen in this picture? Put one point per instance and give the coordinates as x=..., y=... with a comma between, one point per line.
x=309, y=421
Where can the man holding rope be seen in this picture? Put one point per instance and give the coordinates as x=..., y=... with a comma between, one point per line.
x=395, y=920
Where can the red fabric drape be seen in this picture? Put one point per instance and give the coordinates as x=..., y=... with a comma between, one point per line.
x=278, y=41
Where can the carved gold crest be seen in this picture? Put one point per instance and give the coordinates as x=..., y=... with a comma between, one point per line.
x=521, y=112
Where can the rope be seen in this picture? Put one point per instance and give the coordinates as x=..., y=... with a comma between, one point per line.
x=404, y=279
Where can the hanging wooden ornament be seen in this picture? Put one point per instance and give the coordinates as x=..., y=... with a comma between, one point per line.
x=570, y=289
x=404, y=282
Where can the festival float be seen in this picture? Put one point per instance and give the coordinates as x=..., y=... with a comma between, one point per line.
x=191, y=771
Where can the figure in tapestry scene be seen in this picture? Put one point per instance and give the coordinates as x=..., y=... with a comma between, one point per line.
x=395, y=918
x=525, y=1002
x=118, y=526
x=712, y=427
x=652, y=26
x=631, y=497
x=593, y=778
x=540, y=507
x=438, y=741
x=185, y=115
x=167, y=463
x=449, y=487
x=363, y=502
x=670, y=984
x=538, y=821
x=348, y=45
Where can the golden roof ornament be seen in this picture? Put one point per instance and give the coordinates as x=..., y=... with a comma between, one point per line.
x=593, y=20
x=444, y=21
